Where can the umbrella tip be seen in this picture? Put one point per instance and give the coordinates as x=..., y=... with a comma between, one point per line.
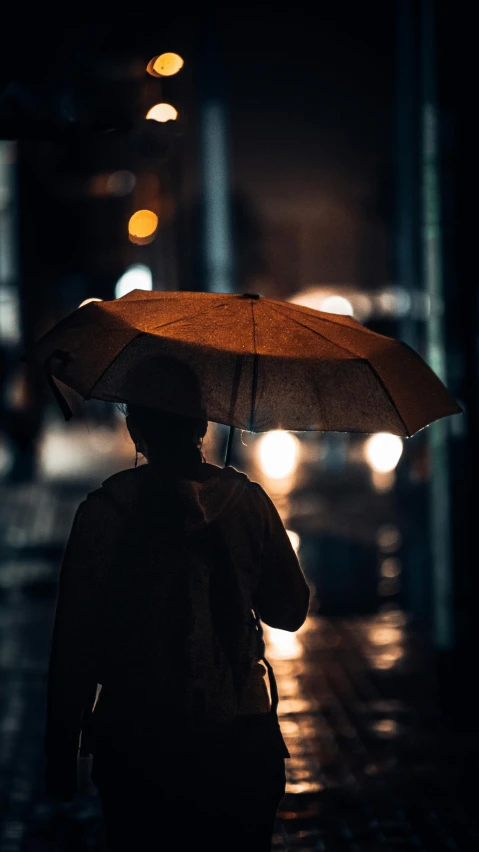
x=250, y=296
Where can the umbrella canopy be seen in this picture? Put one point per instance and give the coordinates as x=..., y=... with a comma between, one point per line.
x=249, y=362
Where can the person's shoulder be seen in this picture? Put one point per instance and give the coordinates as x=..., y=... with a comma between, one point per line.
x=99, y=510
x=212, y=472
x=254, y=489
x=230, y=471
x=261, y=501
x=254, y=495
x=114, y=489
x=124, y=477
x=257, y=490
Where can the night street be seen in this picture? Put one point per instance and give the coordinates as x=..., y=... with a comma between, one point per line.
x=239, y=429
x=373, y=766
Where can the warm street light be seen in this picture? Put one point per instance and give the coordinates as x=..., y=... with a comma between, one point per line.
x=162, y=112
x=142, y=227
x=137, y=277
x=165, y=65
x=278, y=453
x=336, y=305
x=383, y=451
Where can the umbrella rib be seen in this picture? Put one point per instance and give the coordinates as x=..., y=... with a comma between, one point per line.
x=388, y=394
x=318, y=333
x=254, y=383
x=112, y=362
x=312, y=313
x=366, y=361
x=187, y=316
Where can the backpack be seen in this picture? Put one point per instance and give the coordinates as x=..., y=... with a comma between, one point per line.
x=179, y=634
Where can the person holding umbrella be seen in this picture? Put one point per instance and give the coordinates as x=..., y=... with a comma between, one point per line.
x=171, y=566
x=167, y=569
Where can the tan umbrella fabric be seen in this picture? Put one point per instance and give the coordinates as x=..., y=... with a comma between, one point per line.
x=249, y=362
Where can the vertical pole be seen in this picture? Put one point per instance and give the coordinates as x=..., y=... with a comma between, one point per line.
x=217, y=227
x=229, y=446
x=407, y=276
x=10, y=319
x=439, y=496
x=406, y=162
x=218, y=242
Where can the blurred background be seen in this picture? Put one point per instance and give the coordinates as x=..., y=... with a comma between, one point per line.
x=310, y=156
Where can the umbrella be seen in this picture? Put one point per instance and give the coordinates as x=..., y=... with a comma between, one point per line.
x=242, y=360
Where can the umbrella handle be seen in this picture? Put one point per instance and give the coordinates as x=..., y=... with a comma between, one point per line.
x=229, y=446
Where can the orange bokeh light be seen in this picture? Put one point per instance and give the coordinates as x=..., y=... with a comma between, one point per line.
x=162, y=112
x=142, y=227
x=165, y=65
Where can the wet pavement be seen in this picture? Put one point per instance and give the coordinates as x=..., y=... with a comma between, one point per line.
x=373, y=766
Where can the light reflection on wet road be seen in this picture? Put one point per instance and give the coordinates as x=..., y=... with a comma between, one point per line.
x=366, y=771
x=371, y=768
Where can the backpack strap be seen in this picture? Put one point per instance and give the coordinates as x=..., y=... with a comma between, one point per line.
x=273, y=725
x=87, y=739
x=272, y=679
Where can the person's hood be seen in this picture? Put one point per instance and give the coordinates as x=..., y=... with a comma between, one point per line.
x=200, y=502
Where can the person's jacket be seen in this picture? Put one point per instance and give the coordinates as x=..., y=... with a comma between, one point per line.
x=119, y=567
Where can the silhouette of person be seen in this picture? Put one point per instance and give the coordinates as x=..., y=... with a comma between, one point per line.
x=167, y=569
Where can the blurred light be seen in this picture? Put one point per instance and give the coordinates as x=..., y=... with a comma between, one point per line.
x=297, y=787
x=87, y=301
x=387, y=639
x=278, y=453
x=336, y=305
x=311, y=298
x=9, y=315
x=217, y=228
x=297, y=730
x=391, y=567
x=383, y=482
x=352, y=302
x=388, y=538
x=162, y=112
x=6, y=457
x=103, y=439
x=383, y=451
x=421, y=305
x=165, y=65
x=380, y=635
x=385, y=727
x=294, y=539
x=137, y=277
x=394, y=301
x=106, y=184
x=17, y=390
x=391, y=614
x=282, y=645
x=403, y=301
x=120, y=183
x=80, y=451
x=142, y=226
x=362, y=306
x=387, y=659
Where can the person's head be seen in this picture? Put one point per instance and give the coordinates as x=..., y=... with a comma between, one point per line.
x=173, y=439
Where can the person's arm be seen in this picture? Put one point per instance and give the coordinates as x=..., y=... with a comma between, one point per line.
x=72, y=677
x=282, y=595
